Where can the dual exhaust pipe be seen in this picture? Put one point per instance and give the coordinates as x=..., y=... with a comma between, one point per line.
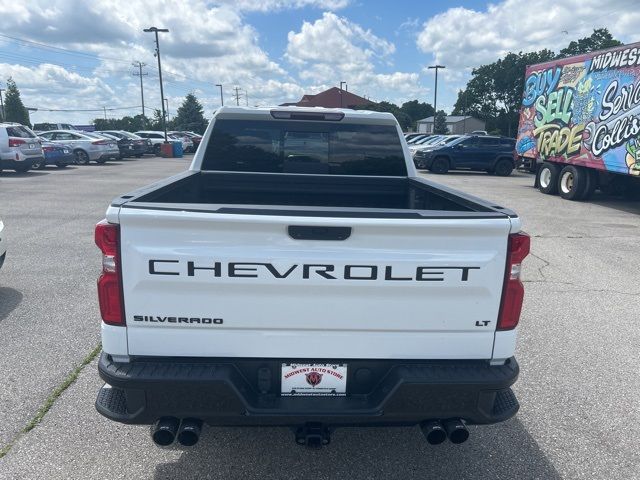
x=169, y=429
x=437, y=432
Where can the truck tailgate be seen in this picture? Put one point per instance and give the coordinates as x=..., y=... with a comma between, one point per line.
x=226, y=285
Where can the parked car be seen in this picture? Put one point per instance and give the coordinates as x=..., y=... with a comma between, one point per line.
x=136, y=146
x=194, y=137
x=156, y=138
x=409, y=136
x=471, y=152
x=19, y=147
x=187, y=143
x=426, y=140
x=87, y=146
x=3, y=244
x=56, y=154
x=417, y=138
x=437, y=142
x=45, y=127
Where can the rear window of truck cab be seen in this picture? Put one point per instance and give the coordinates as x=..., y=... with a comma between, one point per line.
x=304, y=147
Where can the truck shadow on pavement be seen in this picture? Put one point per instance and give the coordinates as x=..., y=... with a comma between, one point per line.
x=504, y=451
x=9, y=300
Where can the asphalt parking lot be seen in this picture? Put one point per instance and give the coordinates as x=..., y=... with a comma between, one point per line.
x=578, y=350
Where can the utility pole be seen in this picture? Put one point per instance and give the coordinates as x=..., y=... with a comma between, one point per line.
x=140, y=74
x=237, y=95
x=435, y=93
x=166, y=101
x=221, y=97
x=164, y=123
x=246, y=97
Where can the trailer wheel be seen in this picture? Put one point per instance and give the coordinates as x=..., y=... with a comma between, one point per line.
x=573, y=182
x=547, y=178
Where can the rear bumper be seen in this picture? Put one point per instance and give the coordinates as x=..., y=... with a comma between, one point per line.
x=12, y=163
x=246, y=392
x=61, y=159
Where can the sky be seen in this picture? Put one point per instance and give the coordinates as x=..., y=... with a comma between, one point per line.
x=77, y=55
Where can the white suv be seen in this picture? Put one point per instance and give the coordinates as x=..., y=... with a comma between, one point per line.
x=156, y=138
x=19, y=147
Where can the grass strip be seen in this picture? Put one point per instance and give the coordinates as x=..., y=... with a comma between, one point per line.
x=51, y=399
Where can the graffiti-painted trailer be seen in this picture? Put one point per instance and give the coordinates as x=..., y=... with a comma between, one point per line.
x=580, y=122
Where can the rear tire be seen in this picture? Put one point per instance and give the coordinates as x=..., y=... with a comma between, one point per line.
x=82, y=158
x=573, y=182
x=440, y=165
x=503, y=167
x=547, y=178
x=38, y=165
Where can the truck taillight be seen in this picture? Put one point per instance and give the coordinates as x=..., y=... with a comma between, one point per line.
x=513, y=290
x=107, y=237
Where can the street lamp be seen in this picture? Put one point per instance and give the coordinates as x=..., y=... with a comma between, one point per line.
x=221, y=97
x=435, y=93
x=156, y=30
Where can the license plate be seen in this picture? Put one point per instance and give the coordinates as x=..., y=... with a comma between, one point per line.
x=311, y=379
x=130, y=147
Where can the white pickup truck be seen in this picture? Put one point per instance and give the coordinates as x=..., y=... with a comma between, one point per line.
x=301, y=274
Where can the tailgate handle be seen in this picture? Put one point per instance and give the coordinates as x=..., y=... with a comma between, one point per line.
x=312, y=232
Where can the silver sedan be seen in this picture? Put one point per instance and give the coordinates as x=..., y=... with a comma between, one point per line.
x=87, y=147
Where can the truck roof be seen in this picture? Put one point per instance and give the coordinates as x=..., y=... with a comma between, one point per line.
x=365, y=116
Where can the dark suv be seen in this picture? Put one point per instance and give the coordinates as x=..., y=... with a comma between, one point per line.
x=471, y=152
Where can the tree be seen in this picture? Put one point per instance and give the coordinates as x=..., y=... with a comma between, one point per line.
x=440, y=123
x=494, y=92
x=129, y=124
x=403, y=119
x=417, y=111
x=14, y=109
x=598, y=40
x=190, y=115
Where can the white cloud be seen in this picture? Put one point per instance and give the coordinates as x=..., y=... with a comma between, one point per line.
x=271, y=5
x=333, y=49
x=462, y=38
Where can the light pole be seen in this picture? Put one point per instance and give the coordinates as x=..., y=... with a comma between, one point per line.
x=435, y=93
x=156, y=30
x=221, y=97
x=345, y=83
x=1, y=105
x=166, y=101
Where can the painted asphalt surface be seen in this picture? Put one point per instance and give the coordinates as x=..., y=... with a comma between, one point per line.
x=578, y=349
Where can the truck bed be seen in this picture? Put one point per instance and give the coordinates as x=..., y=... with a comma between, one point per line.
x=315, y=195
